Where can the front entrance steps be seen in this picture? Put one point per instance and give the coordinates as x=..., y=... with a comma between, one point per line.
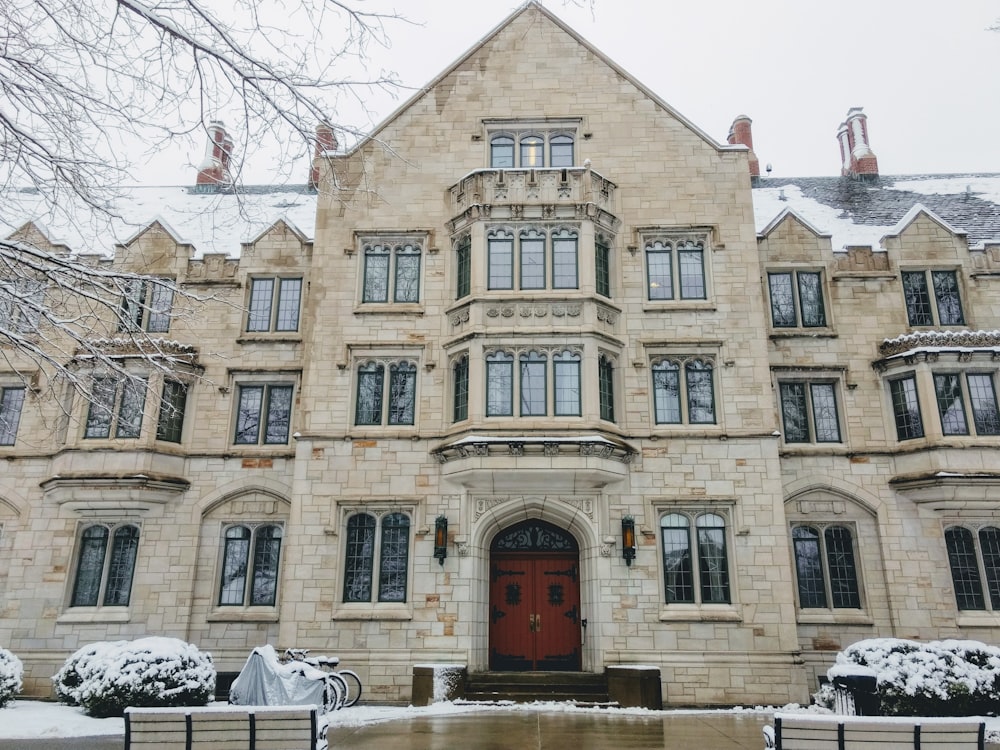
x=582, y=688
x=625, y=685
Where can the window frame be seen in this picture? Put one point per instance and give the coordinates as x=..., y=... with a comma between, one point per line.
x=796, y=295
x=264, y=406
x=266, y=311
x=104, y=595
x=932, y=297
x=909, y=426
x=606, y=386
x=825, y=558
x=370, y=590
x=533, y=258
x=981, y=581
x=146, y=304
x=22, y=302
x=11, y=412
x=173, y=409
x=809, y=386
x=685, y=404
x=670, y=275
x=505, y=382
x=460, y=388
x=724, y=590
x=391, y=407
x=510, y=143
x=968, y=404
x=255, y=546
x=395, y=280
x=119, y=392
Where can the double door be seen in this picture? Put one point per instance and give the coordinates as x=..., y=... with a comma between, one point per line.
x=535, y=612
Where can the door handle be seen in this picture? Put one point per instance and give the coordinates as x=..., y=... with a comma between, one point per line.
x=538, y=623
x=531, y=623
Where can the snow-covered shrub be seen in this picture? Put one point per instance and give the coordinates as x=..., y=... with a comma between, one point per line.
x=940, y=678
x=11, y=672
x=68, y=680
x=107, y=677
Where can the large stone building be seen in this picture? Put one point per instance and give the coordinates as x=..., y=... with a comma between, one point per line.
x=541, y=377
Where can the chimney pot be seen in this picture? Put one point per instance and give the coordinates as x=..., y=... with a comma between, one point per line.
x=740, y=133
x=213, y=173
x=858, y=161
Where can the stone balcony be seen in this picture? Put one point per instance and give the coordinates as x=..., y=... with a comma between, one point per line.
x=562, y=193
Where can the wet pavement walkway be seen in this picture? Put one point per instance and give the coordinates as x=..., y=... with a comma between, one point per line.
x=496, y=730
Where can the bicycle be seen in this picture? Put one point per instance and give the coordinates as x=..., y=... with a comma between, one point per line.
x=345, y=684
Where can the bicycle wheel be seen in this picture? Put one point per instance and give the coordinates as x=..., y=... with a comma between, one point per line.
x=353, y=683
x=336, y=692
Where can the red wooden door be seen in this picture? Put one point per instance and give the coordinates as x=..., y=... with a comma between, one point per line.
x=534, y=613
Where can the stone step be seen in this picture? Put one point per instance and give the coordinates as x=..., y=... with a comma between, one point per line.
x=524, y=687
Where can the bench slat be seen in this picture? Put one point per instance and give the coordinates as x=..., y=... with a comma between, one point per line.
x=816, y=732
x=229, y=728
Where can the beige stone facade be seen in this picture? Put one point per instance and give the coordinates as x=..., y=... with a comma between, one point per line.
x=476, y=336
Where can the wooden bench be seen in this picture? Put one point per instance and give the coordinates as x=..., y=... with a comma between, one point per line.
x=221, y=728
x=834, y=732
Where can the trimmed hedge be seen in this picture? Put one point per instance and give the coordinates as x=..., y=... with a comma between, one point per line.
x=11, y=674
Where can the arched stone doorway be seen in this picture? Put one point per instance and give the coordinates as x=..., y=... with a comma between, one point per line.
x=534, y=599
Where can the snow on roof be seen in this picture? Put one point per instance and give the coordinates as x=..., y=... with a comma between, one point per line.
x=210, y=222
x=770, y=202
x=982, y=186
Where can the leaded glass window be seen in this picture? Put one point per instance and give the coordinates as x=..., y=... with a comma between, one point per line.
x=460, y=378
x=463, y=267
x=796, y=299
x=21, y=303
x=371, y=379
x=700, y=392
x=532, y=260
x=906, y=408
x=606, y=387
x=948, y=391
x=274, y=304
x=402, y=393
x=250, y=558
x=708, y=546
x=170, y=423
x=394, y=557
x=947, y=298
x=11, y=404
x=263, y=414
x=825, y=567
x=376, y=283
x=115, y=407
x=809, y=412
x=104, y=576
x=659, y=270
x=385, y=539
x=691, y=270
x=602, y=263
x=675, y=275
x=965, y=569
x=983, y=398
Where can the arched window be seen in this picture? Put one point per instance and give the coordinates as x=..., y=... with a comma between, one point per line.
x=561, y=151
x=532, y=152
x=369, y=539
x=101, y=578
x=974, y=558
x=501, y=152
x=250, y=566
x=695, y=566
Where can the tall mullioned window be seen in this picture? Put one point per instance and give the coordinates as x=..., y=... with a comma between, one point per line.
x=381, y=400
x=11, y=404
x=263, y=414
x=825, y=567
x=115, y=408
x=602, y=266
x=463, y=267
x=683, y=392
x=460, y=384
x=385, y=541
x=974, y=558
x=906, y=408
x=695, y=558
x=967, y=403
x=250, y=566
x=533, y=259
x=146, y=305
x=606, y=387
x=105, y=565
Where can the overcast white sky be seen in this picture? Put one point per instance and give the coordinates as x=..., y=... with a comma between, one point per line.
x=925, y=72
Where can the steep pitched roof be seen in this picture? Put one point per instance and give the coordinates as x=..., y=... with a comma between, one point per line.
x=860, y=213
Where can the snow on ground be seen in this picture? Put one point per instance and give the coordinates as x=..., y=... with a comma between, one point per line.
x=38, y=719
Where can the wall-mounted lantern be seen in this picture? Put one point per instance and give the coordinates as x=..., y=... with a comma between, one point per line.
x=441, y=538
x=628, y=539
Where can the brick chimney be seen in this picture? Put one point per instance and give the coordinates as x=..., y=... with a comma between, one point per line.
x=213, y=173
x=857, y=159
x=325, y=141
x=739, y=133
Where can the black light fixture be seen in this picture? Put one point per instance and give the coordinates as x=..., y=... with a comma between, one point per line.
x=441, y=538
x=628, y=539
